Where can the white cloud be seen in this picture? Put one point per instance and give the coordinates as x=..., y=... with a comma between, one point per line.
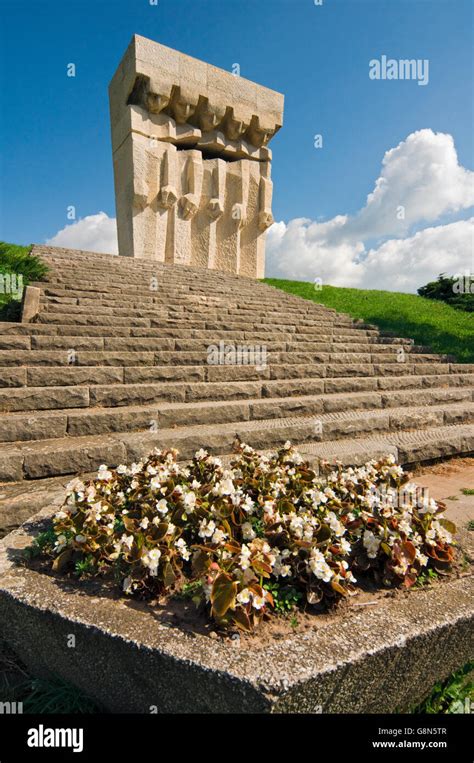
x=94, y=233
x=420, y=180
x=422, y=175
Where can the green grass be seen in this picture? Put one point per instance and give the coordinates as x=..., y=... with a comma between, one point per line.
x=467, y=491
x=17, y=261
x=454, y=695
x=427, y=321
x=39, y=695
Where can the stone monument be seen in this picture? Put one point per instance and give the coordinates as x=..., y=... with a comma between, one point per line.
x=191, y=160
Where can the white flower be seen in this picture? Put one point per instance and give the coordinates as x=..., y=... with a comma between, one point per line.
x=269, y=508
x=248, y=505
x=245, y=555
x=60, y=542
x=258, y=601
x=183, y=549
x=144, y=523
x=430, y=537
x=103, y=473
x=319, y=567
x=422, y=558
x=206, y=529
x=371, y=544
x=80, y=538
x=345, y=545
x=127, y=540
x=121, y=469
x=441, y=532
x=405, y=527
x=244, y=596
x=224, y=487
x=248, y=532
x=151, y=560
x=75, y=486
x=428, y=506
x=218, y=536
x=318, y=497
x=201, y=454
x=189, y=502
x=162, y=506
x=334, y=524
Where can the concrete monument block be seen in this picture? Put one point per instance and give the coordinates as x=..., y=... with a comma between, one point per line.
x=192, y=165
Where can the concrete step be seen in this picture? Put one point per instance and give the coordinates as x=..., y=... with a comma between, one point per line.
x=184, y=302
x=20, y=500
x=227, y=380
x=37, y=419
x=409, y=448
x=64, y=455
x=116, y=363
x=140, y=343
x=144, y=354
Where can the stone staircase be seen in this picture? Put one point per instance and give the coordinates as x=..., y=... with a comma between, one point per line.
x=115, y=363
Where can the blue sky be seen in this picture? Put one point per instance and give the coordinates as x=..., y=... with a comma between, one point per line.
x=55, y=129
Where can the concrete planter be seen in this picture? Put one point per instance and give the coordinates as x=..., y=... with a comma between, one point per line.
x=374, y=659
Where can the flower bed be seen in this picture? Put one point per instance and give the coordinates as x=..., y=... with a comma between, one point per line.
x=263, y=535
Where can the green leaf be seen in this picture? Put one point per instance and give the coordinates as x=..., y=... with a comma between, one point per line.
x=448, y=525
x=168, y=575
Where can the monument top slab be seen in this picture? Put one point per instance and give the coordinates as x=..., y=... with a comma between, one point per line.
x=161, y=79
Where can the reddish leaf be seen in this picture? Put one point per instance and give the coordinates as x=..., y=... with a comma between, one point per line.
x=241, y=619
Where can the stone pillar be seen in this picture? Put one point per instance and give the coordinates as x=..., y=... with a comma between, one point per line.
x=191, y=163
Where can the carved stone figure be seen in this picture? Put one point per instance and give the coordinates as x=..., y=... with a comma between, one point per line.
x=191, y=162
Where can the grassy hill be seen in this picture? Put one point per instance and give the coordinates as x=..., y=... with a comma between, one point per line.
x=428, y=322
x=16, y=260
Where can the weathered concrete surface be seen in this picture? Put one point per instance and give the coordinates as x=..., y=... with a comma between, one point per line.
x=373, y=659
x=30, y=304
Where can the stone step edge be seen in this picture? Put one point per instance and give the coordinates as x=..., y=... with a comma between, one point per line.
x=253, y=424
x=20, y=372
x=423, y=445
x=342, y=398
x=408, y=448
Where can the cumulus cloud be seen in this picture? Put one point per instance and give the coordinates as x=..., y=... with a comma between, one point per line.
x=420, y=180
x=293, y=251
x=94, y=233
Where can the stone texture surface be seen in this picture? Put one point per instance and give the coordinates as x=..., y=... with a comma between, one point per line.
x=191, y=163
x=116, y=363
x=371, y=659
x=452, y=483
x=30, y=305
